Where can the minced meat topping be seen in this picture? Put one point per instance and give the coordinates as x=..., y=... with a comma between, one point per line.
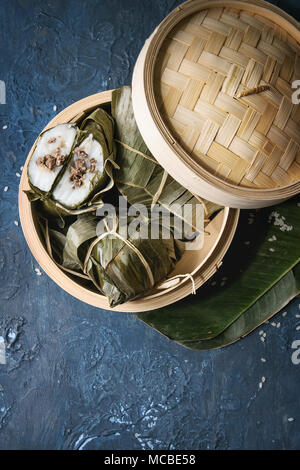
x=79, y=171
x=51, y=161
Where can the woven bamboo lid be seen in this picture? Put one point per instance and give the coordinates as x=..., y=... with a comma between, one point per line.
x=212, y=94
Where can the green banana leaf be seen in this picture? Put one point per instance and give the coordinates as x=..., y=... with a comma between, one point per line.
x=264, y=308
x=140, y=178
x=265, y=248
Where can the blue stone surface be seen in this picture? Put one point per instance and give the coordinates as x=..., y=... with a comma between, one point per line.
x=77, y=377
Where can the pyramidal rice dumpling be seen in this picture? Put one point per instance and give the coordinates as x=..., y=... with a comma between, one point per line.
x=68, y=165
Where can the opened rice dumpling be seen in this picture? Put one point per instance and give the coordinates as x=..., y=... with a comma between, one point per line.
x=122, y=268
x=69, y=165
x=50, y=157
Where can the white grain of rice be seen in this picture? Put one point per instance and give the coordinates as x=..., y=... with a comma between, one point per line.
x=291, y=419
x=279, y=220
x=5, y=189
x=284, y=314
x=38, y=271
x=16, y=223
x=18, y=175
x=5, y=127
x=263, y=359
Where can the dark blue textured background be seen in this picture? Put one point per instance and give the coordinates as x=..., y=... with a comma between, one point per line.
x=82, y=378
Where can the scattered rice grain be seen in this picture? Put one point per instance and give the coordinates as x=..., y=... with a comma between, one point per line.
x=5, y=189
x=278, y=220
x=5, y=127
x=16, y=223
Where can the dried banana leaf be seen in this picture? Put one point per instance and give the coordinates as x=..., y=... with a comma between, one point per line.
x=81, y=232
x=101, y=125
x=121, y=268
x=140, y=178
x=265, y=248
x=55, y=241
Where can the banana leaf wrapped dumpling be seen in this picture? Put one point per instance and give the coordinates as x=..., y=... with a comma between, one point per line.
x=85, y=174
x=69, y=167
x=140, y=177
x=122, y=268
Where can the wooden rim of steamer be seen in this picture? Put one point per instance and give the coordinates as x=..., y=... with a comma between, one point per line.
x=162, y=142
x=221, y=228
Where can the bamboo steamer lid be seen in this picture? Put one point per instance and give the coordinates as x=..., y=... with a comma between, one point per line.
x=213, y=98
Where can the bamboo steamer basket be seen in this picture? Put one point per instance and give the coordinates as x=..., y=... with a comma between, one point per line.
x=188, y=85
x=200, y=264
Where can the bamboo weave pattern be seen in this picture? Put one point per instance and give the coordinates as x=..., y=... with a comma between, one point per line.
x=207, y=61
